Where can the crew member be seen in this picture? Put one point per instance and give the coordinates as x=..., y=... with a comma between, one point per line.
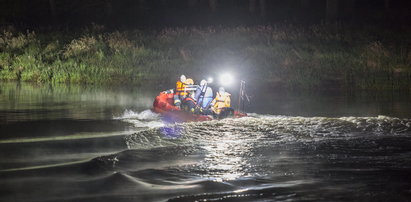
x=189, y=81
x=189, y=104
x=204, y=95
x=180, y=92
x=221, y=102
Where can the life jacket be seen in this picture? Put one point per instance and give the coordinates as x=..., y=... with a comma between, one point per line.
x=221, y=101
x=180, y=88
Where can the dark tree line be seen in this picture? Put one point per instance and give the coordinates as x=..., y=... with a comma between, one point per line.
x=58, y=12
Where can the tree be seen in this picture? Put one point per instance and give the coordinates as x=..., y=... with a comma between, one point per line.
x=263, y=9
x=387, y=4
x=331, y=10
x=192, y=3
x=109, y=8
x=252, y=6
x=213, y=5
x=349, y=9
x=53, y=11
x=141, y=5
x=387, y=9
x=305, y=3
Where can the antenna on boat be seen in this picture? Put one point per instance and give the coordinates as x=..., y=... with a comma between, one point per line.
x=241, y=97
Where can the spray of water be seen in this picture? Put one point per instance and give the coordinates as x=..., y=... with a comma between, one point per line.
x=144, y=119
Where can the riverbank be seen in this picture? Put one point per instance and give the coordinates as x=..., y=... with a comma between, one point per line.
x=286, y=56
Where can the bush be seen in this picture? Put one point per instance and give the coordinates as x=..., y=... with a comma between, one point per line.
x=83, y=45
x=285, y=56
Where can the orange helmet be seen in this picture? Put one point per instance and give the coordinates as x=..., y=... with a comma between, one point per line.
x=190, y=81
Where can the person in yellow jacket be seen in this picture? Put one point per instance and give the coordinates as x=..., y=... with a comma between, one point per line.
x=221, y=101
x=181, y=92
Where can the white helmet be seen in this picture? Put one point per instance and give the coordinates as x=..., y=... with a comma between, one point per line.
x=183, y=78
x=221, y=90
x=203, y=82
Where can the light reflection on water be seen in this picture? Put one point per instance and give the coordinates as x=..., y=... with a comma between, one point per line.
x=224, y=157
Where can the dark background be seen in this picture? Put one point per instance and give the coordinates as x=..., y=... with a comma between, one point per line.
x=127, y=14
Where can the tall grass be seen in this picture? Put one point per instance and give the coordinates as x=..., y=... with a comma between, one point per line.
x=283, y=56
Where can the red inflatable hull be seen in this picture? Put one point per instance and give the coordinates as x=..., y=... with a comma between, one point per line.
x=164, y=105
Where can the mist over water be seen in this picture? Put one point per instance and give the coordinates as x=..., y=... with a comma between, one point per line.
x=79, y=143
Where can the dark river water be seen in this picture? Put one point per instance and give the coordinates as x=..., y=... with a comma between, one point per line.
x=79, y=143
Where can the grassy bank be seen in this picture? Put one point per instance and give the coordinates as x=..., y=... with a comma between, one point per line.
x=283, y=56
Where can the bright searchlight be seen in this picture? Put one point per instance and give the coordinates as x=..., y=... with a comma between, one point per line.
x=210, y=80
x=226, y=79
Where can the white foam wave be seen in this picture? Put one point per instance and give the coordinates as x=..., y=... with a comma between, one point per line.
x=143, y=119
x=144, y=115
x=142, y=124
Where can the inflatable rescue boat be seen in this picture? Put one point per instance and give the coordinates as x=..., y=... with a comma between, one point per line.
x=164, y=105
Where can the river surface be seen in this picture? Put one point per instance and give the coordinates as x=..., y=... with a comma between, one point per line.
x=83, y=143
